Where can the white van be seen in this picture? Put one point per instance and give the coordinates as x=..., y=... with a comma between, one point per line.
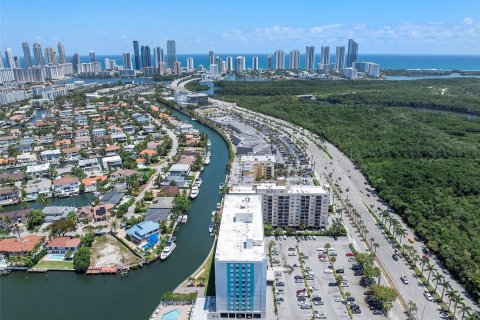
x=328, y=271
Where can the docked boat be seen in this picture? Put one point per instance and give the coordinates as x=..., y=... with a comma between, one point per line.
x=184, y=219
x=208, y=154
x=167, y=251
x=213, y=212
x=220, y=187
x=201, y=169
x=207, y=160
x=194, y=192
x=198, y=182
x=211, y=228
x=193, y=119
x=209, y=143
x=218, y=205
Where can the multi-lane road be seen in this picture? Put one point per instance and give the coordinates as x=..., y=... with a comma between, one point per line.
x=346, y=176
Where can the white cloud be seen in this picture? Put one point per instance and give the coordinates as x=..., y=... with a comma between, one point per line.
x=467, y=21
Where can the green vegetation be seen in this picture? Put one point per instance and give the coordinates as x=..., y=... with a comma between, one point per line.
x=424, y=163
x=81, y=259
x=59, y=265
x=35, y=218
x=180, y=297
x=196, y=86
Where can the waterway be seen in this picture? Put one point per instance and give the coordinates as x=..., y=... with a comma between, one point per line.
x=66, y=295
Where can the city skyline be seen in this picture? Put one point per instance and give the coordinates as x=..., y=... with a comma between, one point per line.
x=400, y=29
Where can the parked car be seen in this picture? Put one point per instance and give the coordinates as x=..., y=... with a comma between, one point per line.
x=322, y=315
x=349, y=254
x=428, y=296
x=340, y=271
x=332, y=284
x=280, y=284
x=395, y=257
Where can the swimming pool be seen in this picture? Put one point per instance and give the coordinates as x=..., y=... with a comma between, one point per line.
x=54, y=257
x=172, y=315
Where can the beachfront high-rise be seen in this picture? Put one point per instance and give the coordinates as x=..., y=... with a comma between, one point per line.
x=61, y=53
x=352, y=52
x=241, y=260
x=239, y=64
x=9, y=57
x=127, y=61
x=255, y=63
x=279, y=60
x=269, y=62
x=76, y=62
x=294, y=59
x=26, y=55
x=310, y=58
x=92, y=56
x=190, y=65
x=37, y=54
x=325, y=54
x=211, y=57
x=171, y=53
x=340, y=59
x=136, y=55
x=50, y=55
x=230, y=64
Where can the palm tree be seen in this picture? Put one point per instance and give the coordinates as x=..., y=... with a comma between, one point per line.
x=375, y=246
x=423, y=262
x=18, y=230
x=464, y=309
x=42, y=200
x=114, y=225
x=402, y=232
x=412, y=309
x=451, y=296
x=458, y=299
x=384, y=215
x=438, y=277
x=430, y=268
x=446, y=285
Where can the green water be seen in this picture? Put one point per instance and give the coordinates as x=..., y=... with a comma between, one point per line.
x=65, y=295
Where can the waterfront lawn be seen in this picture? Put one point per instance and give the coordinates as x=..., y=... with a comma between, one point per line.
x=60, y=265
x=107, y=251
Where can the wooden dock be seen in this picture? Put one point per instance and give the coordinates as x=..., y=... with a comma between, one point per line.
x=102, y=270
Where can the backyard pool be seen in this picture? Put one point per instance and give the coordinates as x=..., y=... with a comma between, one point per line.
x=172, y=315
x=54, y=257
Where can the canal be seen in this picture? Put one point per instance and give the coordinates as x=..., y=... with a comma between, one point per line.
x=66, y=295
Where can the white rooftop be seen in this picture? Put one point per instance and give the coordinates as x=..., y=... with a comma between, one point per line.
x=258, y=158
x=241, y=229
x=40, y=167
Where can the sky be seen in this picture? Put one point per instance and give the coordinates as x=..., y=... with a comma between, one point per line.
x=260, y=26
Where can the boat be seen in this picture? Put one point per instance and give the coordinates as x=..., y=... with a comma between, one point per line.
x=208, y=154
x=194, y=192
x=198, y=182
x=193, y=119
x=210, y=228
x=213, y=212
x=167, y=251
x=218, y=205
x=207, y=160
x=220, y=187
x=184, y=219
x=209, y=143
x=201, y=169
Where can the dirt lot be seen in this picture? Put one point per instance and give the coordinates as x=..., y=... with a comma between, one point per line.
x=107, y=251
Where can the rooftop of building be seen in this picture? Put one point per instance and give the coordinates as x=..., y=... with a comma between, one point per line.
x=241, y=229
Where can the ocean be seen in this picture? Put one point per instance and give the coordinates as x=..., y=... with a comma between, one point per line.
x=386, y=61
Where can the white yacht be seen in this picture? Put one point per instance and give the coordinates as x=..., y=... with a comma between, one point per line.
x=208, y=154
x=210, y=228
x=220, y=187
x=198, y=182
x=209, y=143
x=167, y=251
x=184, y=219
x=207, y=160
x=194, y=192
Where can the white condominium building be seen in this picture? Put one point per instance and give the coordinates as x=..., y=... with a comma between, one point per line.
x=240, y=260
x=291, y=205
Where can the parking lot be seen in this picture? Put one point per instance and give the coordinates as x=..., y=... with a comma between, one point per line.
x=322, y=285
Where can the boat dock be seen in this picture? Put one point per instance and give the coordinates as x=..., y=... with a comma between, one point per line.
x=102, y=270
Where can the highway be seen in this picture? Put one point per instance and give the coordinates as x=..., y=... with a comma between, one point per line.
x=346, y=177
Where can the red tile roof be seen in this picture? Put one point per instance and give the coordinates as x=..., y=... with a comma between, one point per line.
x=17, y=245
x=64, y=242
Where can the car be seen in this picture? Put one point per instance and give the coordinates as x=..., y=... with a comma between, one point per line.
x=305, y=306
x=404, y=279
x=349, y=254
x=304, y=257
x=344, y=284
x=428, y=296
x=310, y=277
x=377, y=311
x=425, y=257
x=308, y=268
x=351, y=259
x=367, y=293
x=395, y=257
x=291, y=249
x=332, y=284
x=318, y=303
x=356, y=266
x=280, y=284
x=296, y=265
x=320, y=249
x=340, y=271
x=298, y=281
x=316, y=298
x=314, y=237
x=280, y=299
x=332, y=254
x=356, y=311
x=292, y=254
x=322, y=315
x=328, y=271
x=280, y=291
x=298, y=277
x=358, y=273
x=278, y=273
x=351, y=299
x=338, y=299
x=300, y=298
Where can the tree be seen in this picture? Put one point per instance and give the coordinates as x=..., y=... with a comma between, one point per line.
x=61, y=227
x=412, y=309
x=464, y=309
x=451, y=296
x=446, y=285
x=43, y=200
x=87, y=239
x=385, y=295
x=457, y=299
x=438, y=277
x=81, y=259
x=180, y=203
x=430, y=268
x=35, y=218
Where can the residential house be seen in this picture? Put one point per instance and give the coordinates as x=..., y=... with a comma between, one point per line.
x=149, y=128
x=15, y=133
x=63, y=245
x=90, y=184
x=160, y=209
x=51, y=156
x=101, y=140
x=82, y=133
x=38, y=171
x=112, y=197
x=26, y=159
x=7, y=178
x=140, y=232
x=65, y=134
x=66, y=186
x=18, y=247
x=90, y=166
x=112, y=150
x=113, y=129
x=129, y=129
x=122, y=173
x=55, y=213
x=82, y=142
x=25, y=145
x=99, y=132
x=9, y=195
x=71, y=154
x=111, y=162
x=119, y=137
x=63, y=143
x=178, y=173
x=81, y=120
x=37, y=187
x=6, y=141
x=184, y=127
x=10, y=218
x=97, y=213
